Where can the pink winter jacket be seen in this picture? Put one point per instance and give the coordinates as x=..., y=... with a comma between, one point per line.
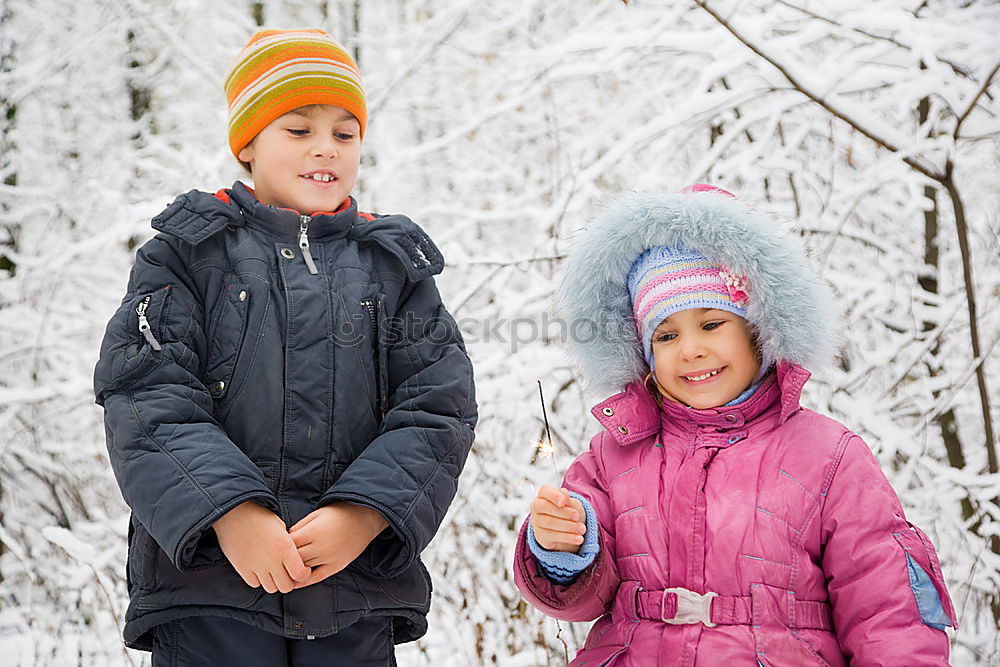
x=783, y=513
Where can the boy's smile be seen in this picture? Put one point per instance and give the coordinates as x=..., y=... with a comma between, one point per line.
x=306, y=160
x=704, y=358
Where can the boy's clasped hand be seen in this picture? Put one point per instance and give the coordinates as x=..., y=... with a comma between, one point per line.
x=323, y=543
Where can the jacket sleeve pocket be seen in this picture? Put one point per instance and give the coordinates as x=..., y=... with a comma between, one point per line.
x=139, y=324
x=926, y=579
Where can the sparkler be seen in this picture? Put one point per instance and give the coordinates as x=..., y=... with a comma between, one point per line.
x=545, y=447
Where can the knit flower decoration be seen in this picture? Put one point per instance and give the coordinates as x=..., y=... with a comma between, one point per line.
x=736, y=286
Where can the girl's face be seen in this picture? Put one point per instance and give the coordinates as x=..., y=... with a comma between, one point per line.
x=703, y=357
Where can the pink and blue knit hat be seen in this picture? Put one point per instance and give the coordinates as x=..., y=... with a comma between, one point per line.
x=665, y=280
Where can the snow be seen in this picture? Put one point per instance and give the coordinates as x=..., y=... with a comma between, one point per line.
x=503, y=128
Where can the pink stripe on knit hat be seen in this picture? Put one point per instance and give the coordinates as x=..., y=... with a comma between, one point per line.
x=670, y=294
x=667, y=276
x=661, y=310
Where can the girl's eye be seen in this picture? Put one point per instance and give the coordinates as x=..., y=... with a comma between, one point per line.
x=345, y=136
x=665, y=337
x=712, y=325
x=297, y=132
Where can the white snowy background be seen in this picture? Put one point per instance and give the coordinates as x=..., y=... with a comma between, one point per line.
x=869, y=126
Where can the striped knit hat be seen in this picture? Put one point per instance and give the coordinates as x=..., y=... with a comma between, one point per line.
x=281, y=70
x=666, y=280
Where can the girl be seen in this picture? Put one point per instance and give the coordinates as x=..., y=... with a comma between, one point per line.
x=714, y=520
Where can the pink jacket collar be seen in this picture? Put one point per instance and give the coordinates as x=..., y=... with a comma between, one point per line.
x=633, y=415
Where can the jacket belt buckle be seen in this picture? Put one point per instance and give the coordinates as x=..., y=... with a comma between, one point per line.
x=691, y=607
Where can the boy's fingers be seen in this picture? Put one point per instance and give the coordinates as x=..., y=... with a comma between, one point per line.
x=267, y=582
x=324, y=571
x=308, y=553
x=318, y=574
x=296, y=568
x=291, y=562
x=282, y=581
x=302, y=522
x=250, y=578
x=300, y=538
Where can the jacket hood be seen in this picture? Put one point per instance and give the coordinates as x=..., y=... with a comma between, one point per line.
x=790, y=308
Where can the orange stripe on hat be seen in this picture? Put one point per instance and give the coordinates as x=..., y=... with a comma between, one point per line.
x=281, y=70
x=244, y=133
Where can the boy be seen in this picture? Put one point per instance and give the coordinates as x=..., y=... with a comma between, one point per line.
x=288, y=404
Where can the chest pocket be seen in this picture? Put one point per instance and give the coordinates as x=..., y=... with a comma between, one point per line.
x=374, y=328
x=225, y=339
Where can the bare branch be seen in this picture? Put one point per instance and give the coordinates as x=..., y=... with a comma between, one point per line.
x=975, y=99
x=970, y=298
x=508, y=262
x=955, y=67
x=414, y=63
x=800, y=86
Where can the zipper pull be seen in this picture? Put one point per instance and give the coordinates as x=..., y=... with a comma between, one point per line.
x=144, y=327
x=304, y=221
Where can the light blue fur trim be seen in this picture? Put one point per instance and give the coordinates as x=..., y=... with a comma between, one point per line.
x=791, y=309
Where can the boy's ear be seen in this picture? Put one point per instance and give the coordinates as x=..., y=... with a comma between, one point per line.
x=246, y=154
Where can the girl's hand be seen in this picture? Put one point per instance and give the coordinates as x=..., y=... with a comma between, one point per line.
x=558, y=520
x=255, y=541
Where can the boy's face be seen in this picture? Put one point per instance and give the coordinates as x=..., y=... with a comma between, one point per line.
x=704, y=357
x=306, y=160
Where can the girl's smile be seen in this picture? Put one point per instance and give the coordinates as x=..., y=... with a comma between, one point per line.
x=702, y=378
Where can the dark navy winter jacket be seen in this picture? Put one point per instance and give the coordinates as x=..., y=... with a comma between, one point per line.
x=232, y=372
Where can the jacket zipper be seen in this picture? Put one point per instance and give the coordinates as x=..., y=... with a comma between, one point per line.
x=304, y=221
x=372, y=309
x=144, y=327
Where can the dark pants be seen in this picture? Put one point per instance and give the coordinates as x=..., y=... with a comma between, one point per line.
x=210, y=641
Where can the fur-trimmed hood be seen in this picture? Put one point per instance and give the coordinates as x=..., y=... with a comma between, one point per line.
x=789, y=306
